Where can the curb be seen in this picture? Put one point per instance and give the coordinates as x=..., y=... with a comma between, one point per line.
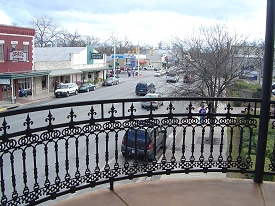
x=7, y=108
x=3, y=109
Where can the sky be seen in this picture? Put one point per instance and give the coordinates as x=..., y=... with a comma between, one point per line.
x=141, y=21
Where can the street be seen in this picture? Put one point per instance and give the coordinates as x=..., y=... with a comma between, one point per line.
x=106, y=144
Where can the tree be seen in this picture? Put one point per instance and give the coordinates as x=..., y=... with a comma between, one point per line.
x=213, y=59
x=66, y=39
x=90, y=40
x=46, y=31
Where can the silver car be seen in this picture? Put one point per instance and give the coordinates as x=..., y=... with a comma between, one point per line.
x=110, y=81
x=154, y=103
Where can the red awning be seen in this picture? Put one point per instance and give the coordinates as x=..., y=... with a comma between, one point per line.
x=142, y=61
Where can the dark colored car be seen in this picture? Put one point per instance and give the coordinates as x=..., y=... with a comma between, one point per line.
x=143, y=88
x=86, y=87
x=142, y=141
x=110, y=81
x=273, y=88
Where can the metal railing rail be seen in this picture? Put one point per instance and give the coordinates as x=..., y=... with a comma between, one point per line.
x=59, y=149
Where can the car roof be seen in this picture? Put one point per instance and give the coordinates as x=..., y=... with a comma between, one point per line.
x=152, y=94
x=143, y=83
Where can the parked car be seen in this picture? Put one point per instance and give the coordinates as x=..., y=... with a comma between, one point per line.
x=148, y=67
x=157, y=74
x=110, y=81
x=162, y=72
x=156, y=103
x=66, y=90
x=86, y=87
x=143, y=88
x=172, y=77
x=138, y=67
x=142, y=140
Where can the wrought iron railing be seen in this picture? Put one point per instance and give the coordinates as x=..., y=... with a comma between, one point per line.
x=49, y=151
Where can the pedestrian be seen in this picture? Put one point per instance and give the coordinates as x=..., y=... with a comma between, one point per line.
x=55, y=86
x=23, y=93
x=133, y=73
x=202, y=111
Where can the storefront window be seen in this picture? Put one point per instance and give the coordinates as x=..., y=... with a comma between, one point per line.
x=67, y=79
x=24, y=83
x=44, y=82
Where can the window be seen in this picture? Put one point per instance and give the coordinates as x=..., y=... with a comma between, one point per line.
x=24, y=83
x=13, y=47
x=1, y=52
x=26, y=49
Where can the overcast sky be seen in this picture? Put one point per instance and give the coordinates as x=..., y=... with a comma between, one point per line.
x=141, y=21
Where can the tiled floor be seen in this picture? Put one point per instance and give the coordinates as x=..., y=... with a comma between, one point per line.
x=178, y=192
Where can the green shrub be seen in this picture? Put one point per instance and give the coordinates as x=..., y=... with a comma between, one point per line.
x=236, y=104
x=247, y=132
x=257, y=93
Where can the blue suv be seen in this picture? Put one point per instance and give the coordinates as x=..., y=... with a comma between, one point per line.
x=143, y=88
x=143, y=141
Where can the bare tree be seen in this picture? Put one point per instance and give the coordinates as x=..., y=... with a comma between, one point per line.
x=104, y=48
x=212, y=59
x=90, y=40
x=46, y=31
x=67, y=39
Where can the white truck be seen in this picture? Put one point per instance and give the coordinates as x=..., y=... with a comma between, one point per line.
x=149, y=67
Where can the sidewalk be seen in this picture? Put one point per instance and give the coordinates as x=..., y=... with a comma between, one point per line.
x=7, y=104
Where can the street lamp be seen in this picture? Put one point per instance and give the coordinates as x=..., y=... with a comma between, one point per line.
x=117, y=66
x=138, y=57
x=114, y=71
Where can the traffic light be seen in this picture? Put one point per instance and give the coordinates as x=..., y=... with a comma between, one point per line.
x=152, y=52
x=136, y=50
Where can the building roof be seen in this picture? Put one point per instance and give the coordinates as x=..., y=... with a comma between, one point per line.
x=44, y=54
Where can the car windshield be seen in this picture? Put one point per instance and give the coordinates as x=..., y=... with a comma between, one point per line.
x=141, y=85
x=85, y=85
x=64, y=86
x=171, y=75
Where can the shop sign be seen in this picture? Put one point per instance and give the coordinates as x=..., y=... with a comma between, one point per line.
x=18, y=56
x=97, y=56
x=4, y=81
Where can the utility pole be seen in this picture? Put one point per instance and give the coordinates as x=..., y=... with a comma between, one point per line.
x=138, y=58
x=114, y=70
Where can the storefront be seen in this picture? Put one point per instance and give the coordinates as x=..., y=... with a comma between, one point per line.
x=33, y=82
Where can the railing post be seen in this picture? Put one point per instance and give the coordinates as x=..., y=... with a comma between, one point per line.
x=266, y=92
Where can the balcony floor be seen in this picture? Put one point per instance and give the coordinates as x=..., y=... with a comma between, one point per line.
x=181, y=191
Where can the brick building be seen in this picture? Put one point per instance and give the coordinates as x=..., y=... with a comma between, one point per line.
x=16, y=62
